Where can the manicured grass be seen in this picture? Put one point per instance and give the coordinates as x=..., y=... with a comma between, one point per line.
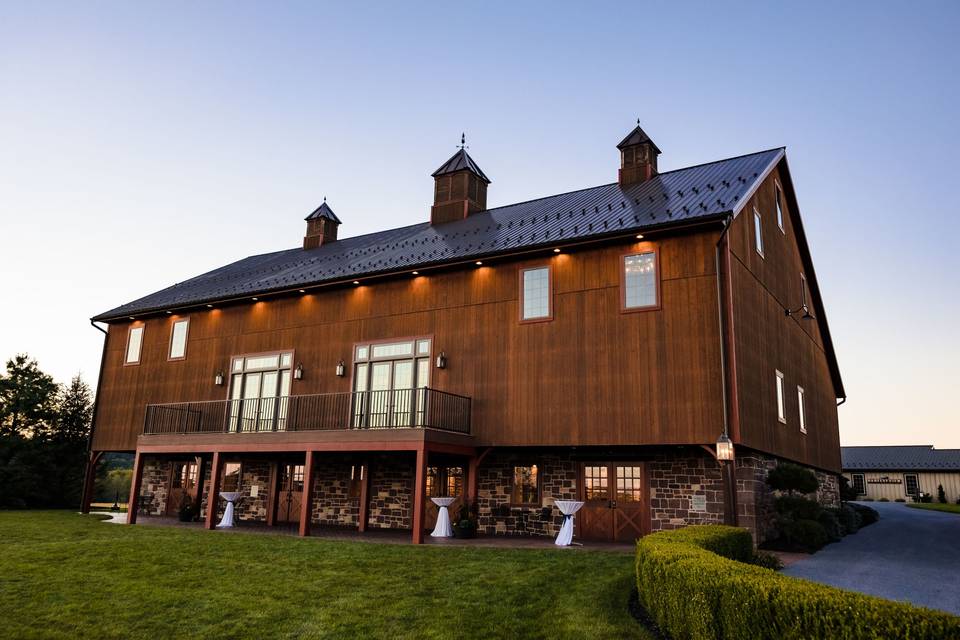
x=64, y=575
x=935, y=506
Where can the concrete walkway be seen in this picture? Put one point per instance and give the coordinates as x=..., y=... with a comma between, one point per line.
x=910, y=554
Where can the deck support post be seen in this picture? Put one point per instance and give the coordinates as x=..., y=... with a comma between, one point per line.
x=419, y=488
x=730, y=489
x=89, y=478
x=473, y=469
x=133, y=504
x=213, y=498
x=201, y=471
x=306, y=503
x=364, y=511
x=272, y=496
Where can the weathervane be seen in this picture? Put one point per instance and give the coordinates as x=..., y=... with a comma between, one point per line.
x=463, y=141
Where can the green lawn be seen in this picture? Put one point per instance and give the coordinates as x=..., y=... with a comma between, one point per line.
x=64, y=575
x=935, y=506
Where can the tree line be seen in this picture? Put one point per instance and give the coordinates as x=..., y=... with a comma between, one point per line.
x=44, y=432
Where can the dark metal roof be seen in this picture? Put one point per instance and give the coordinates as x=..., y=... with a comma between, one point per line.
x=921, y=457
x=637, y=136
x=323, y=211
x=458, y=162
x=678, y=197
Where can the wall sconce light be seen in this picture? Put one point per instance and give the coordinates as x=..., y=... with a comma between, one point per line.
x=218, y=379
x=341, y=369
x=806, y=312
x=298, y=372
x=442, y=360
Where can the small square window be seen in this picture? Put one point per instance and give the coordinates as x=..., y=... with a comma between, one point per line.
x=640, y=281
x=526, y=486
x=423, y=347
x=134, y=344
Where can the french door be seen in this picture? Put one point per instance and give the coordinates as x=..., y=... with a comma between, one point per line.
x=183, y=482
x=615, y=496
x=259, y=392
x=443, y=482
x=389, y=382
x=289, y=493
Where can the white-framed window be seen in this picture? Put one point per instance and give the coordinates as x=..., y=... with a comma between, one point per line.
x=758, y=232
x=802, y=408
x=259, y=391
x=535, y=288
x=390, y=381
x=859, y=484
x=779, y=196
x=781, y=407
x=640, y=280
x=134, y=344
x=178, y=339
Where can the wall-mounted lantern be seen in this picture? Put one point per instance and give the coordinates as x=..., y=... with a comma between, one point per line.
x=218, y=379
x=724, y=448
x=442, y=360
x=341, y=369
x=298, y=372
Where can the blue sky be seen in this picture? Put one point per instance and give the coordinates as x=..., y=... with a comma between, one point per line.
x=143, y=144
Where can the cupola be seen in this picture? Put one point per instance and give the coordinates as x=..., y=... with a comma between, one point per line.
x=460, y=188
x=322, y=226
x=638, y=157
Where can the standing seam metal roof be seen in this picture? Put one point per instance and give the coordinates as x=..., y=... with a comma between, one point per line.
x=921, y=457
x=671, y=198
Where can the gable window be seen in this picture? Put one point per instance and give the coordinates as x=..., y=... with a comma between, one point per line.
x=912, y=484
x=535, y=294
x=859, y=486
x=134, y=343
x=526, y=486
x=758, y=232
x=779, y=209
x=801, y=401
x=178, y=339
x=640, y=286
x=781, y=408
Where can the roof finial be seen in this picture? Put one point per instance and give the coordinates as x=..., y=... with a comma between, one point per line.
x=638, y=122
x=324, y=198
x=463, y=140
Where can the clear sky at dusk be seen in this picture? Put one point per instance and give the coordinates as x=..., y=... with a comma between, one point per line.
x=142, y=144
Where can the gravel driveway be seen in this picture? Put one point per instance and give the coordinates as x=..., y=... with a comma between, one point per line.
x=910, y=554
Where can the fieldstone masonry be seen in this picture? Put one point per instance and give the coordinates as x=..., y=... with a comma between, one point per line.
x=332, y=504
x=156, y=483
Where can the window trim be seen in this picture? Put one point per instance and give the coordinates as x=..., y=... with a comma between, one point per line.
x=758, y=232
x=126, y=348
x=863, y=482
x=186, y=339
x=550, y=292
x=655, y=250
x=778, y=203
x=352, y=361
x=802, y=408
x=229, y=373
x=513, y=477
x=906, y=485
x=781, y=391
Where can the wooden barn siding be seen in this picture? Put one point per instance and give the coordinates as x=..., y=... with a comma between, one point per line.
x=591, y=376
x=767, y=340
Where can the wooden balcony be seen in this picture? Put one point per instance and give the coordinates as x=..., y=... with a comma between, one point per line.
x=422, y=408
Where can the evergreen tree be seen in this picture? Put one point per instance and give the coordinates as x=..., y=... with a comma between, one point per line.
x=74, y=412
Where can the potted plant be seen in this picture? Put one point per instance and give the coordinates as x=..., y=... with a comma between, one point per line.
x=465, y=525
x=186, y=512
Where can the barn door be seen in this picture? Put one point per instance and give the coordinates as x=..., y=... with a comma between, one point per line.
x=290, y=493
x=183, y=482
x=615, y=504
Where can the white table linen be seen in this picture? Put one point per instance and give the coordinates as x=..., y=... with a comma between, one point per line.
x=567, y=508
x=443, y=528
x=227, y=520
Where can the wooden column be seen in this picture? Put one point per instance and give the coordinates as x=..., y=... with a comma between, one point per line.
x=272, y=496
x=364, y=512
x=89, y=479
x=419, y=489
x=730, y=515
x=133, y=504
x=201, y=470
x=213, y=497
x=306, y=503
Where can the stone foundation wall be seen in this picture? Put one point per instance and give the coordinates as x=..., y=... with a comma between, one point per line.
x=254, y=478
x=332, y=504
x=156, y=481
x=674, y=483
x=496, y=516
x=391, y=491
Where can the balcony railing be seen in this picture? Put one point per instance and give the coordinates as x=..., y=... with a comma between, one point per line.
x=389, y=409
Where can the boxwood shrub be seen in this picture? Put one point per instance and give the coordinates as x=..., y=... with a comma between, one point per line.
x=695, y=584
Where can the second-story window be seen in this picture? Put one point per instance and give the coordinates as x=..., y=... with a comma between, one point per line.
x=758, y=232
x=535, y=294
x=389, y=380
x=640, y=286
x=178, y=339
x=779, y=196
x=801, y=400
x=781, y=408
x=134, y=344
x=259, y=386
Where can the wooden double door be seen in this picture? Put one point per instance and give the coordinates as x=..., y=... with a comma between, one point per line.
x=443, y=481
x=616, y=501
x=289, y=493
x=183, y=483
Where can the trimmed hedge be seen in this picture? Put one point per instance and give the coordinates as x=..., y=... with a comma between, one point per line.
x=695, y=585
